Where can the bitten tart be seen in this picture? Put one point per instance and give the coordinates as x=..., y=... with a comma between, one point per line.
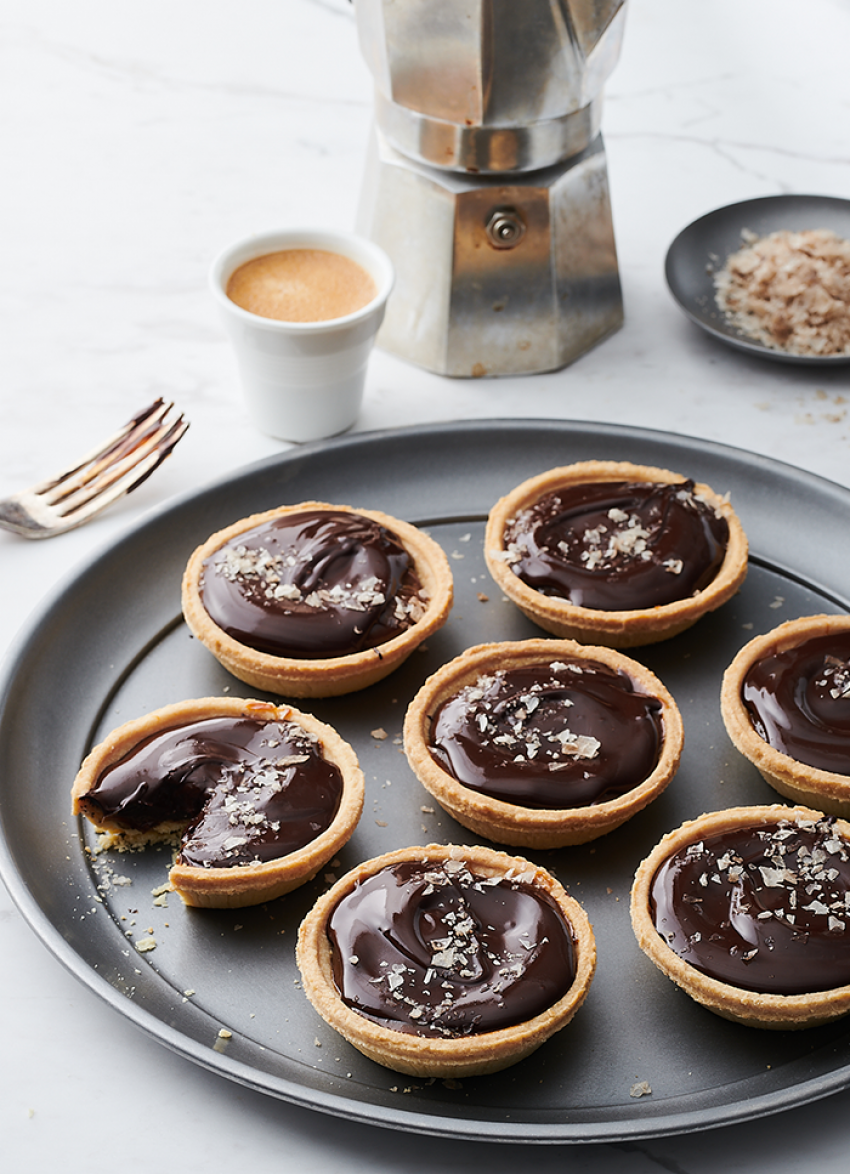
x=786, y=706
x=259, y=796
x=613, y=553
x=446, y=961
x=748, y=911
x=316, y=600
x=543, y=743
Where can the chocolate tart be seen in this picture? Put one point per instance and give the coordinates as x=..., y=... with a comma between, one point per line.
x=259, y=797
x=786, y=706
x=316, y=600
x=748, y=911
x=484, y=958
x=543, y=743
x=614, y=553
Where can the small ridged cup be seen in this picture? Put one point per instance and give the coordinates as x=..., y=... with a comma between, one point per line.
x=303, y=380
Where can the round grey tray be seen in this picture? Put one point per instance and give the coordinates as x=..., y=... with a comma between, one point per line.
x=111, y=645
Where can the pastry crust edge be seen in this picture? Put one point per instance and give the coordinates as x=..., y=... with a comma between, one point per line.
x=509, y=823
x=616, y=629
x=251, y=884
x=827, y=791
x=751, y=1008
x=329, y=676
x=425, y=1056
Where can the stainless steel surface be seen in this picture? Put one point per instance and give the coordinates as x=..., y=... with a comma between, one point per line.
x=484, y=150
x=464, y=304
x=475, y=93
x=702, y=248
x=111, y=639
x=77, y=494
x=489, y=85
x=505, y=228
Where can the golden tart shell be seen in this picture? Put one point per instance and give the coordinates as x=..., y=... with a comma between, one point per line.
x=472, y=1055
x=616, y=629
x=251, y=884
x=331, y=676
x=754, y=1009
x=509, y=823
x=827, y=791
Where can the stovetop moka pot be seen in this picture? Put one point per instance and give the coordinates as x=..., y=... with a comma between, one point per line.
x=487, y=182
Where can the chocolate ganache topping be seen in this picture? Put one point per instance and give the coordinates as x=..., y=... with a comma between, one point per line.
x=766, y=909
x=249, y=790
x=431, y=949
x=618, y=546
x=313, y=584
x=799, y=701
x=553, y=736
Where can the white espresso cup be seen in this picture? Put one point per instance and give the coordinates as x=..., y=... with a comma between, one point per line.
x=303, y=380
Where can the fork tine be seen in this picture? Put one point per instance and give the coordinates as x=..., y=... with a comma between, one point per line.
x=116, y=467
x=174, y=433
x=142, y=471
x=121, y=443
x=100, y=476
x=126, y=474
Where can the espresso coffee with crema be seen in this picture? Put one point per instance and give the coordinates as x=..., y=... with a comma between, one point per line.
x=301, y=285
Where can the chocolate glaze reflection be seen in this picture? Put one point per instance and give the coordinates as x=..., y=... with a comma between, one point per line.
x=799, y=701
x=312, y=584
x=249, y=790
x=618, y=546
x=432, y=950
x=765, y=909
x=552, y=736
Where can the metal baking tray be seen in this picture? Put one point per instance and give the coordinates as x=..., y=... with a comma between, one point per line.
x=110, y=645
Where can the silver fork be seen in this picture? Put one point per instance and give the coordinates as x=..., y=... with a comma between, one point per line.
x=114, y=468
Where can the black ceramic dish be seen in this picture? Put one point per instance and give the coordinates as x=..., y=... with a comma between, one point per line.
x=701, y=249
x=111, y=645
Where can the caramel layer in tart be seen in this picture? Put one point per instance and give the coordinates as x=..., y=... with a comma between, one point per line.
x=316, y=600
x=446, y=961
x=615, y=553
x=748, y=910
x=543, y=743
x=259, y=796
x=786, y=706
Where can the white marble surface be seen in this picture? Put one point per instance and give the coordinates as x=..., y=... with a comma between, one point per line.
x=136, y=140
